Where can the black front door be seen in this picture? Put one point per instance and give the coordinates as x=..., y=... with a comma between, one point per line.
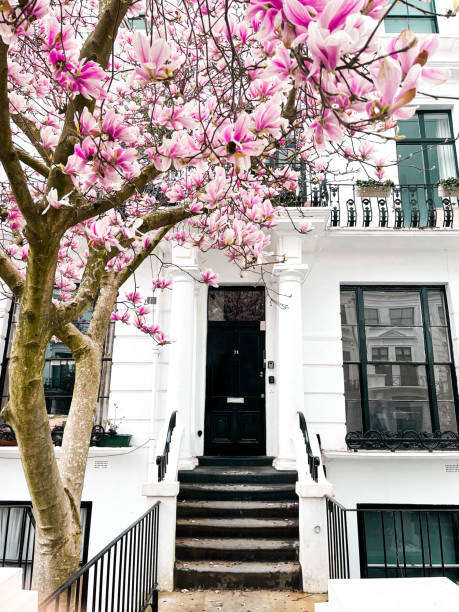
x=235, y=401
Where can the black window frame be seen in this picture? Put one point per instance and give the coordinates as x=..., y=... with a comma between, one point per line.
x=106, y=366
x=429, y=363
x=425, y=142
x=402, y=568
x=416, y=15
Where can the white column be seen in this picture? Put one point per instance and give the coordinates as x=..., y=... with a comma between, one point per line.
x=289, y=366
x=180, y=387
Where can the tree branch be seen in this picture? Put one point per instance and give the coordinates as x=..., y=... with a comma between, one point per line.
x=86, y=293
x=8, y=155
x=32, y=133
x=32, y=162
x=11, y=275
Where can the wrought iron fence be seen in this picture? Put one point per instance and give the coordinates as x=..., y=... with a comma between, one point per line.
x=338, y=551
x=395, y=541
x=313, y=461
x=402, y=440
x=163, y=459
x=17, y=537
x=121, y=578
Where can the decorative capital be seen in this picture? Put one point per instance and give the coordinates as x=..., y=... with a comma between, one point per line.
x=291, y=272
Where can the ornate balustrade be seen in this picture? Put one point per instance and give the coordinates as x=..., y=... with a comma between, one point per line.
x=401, y=207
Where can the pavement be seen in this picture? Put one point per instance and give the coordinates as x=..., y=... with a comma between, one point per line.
x=238, y=601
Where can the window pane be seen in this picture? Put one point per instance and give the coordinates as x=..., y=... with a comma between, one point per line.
x=350, y=343
x=403, y=353
x=437, y=311
x=371, y=316
x=380, y=353
x=353, y=402
x=247, y=304
x=398, y=398
x=443, y=382
x=440, y=342
x=410, y=127
x=422, y=25
x=393, y=337
x=447, y=416
x=59, y=379
x=395, y=307
x=442, y=162
x=410, y=169
x=348, y=308
x=437, y=125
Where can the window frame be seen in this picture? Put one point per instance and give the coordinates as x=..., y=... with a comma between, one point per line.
x=417, y=15
x=429, y=363
x=403, y=566
x=424, y=142
x=106, y=366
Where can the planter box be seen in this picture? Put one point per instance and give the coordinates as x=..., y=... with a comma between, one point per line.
x=8, y=443
x=118, y=440
x=448, y=192
x=373, y=191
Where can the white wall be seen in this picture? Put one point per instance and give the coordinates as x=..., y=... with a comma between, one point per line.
x=390, y=478
x=113, y=482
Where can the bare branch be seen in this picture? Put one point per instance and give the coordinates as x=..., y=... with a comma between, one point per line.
x=32, y=162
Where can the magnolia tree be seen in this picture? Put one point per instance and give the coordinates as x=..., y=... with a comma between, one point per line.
x=128, y=122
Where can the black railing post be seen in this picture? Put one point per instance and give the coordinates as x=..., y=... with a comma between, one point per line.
x=163, y=459
x=313, y=461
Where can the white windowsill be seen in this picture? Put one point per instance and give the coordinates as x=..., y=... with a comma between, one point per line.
x=12, y=452
x=365, y=455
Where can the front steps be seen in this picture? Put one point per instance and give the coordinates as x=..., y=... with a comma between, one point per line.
x=12, y=597
x=237, y=526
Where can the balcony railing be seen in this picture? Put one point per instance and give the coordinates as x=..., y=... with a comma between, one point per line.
x=402, y=440
x=404, y=207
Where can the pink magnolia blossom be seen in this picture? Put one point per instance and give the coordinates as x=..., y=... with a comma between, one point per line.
x=158, y=60
x=209, y=278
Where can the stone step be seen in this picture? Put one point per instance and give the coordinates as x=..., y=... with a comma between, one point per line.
x=228, y=528
x=237, y=475
x=231, y=575
x=229, y=509
x=237, y=492
x=236, y=549
x=238, y=461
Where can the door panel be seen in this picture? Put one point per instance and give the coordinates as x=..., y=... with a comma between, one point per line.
x=235, y=404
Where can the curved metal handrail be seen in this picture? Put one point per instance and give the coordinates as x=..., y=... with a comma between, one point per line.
x=163, y=459
x=313, y=460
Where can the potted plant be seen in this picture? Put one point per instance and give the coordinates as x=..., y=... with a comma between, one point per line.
x=373, y=188
x=448, y=188
x=111, y=436
x=7, y=437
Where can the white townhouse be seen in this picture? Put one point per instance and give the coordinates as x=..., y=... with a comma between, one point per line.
x=316, y=425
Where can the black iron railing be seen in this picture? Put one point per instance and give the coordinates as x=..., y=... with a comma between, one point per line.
x=17, y=537
x=338, y=551
x=8, y=436
x=395, y=541
x=122, y=577
x=402, y=440
x=163, y=459
x=313, y=460
x=400, y=206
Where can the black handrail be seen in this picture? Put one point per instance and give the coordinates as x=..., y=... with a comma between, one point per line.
x=162, y=460
x=313, y=460
x=122, y=576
